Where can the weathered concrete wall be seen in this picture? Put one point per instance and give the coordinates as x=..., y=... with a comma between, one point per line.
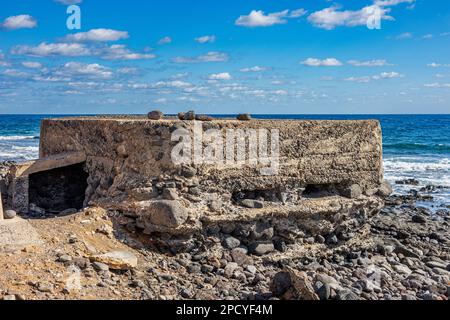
x=126, y=154
x=328, y=178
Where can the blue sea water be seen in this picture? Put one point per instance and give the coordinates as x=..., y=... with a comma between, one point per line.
x=415, y=146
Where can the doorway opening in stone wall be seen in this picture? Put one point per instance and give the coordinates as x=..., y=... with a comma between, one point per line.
x=59, y=189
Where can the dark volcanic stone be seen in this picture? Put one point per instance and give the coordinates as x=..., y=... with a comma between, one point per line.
x=347, y=295
x=280, y=283
x=167, y=213
x=280, y=245
x=155, y=115
x=190, y=115
x=324, y=292
x=249, y=203
x=332, y=239
x=411, y=182
x=385, y=190
x=188, y=172
x=419, y=219
x=244, y=117
x=202, y=117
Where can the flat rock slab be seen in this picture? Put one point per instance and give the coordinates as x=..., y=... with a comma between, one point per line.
x=117, y=260
x=17, y=234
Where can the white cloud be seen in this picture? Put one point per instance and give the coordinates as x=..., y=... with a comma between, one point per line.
x=160, y=100
x=257, y=18
x=387, y=75
x=173, y=84
x=98, y=35
x=3, y=63
x=205, y=39
x=93, y=70
x=50, y=78
x=128, y=70
x=53, y=49
x=370, y=63
x=386, y=3
x=438, y=65
x=329, y=62
x=364, y=79
x=165, y=40
x=437, y=85
x=297, y=13
x=179, y=75
x=381, y=76
x=121, y=52
x=23, y=21
x=220, y=76
x=212, y=56
x=254, y=69
x=114, y=52
x=32, y=64
x=330, y=18
x=428, y=36
x=404, y=36
x=14, y=73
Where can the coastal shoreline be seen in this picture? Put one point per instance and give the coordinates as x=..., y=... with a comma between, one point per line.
x=403, y=253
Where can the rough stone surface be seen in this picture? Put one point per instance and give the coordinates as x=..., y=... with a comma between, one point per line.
x=164, y=213
x=385, y=189
x=155, y=115
x=10, y=214
x=261, y=248
x=244, y=117
x=130, y=169
x=353, y=191
x=117, y=260
x=16, y=234
x=248, y=203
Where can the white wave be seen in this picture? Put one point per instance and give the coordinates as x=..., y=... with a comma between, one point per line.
x=416, y=165
x=428, y=171
x=31, y=149
x=15, y=138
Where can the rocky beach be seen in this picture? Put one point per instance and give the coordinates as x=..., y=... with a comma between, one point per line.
x=401, y=254
x=393, y=246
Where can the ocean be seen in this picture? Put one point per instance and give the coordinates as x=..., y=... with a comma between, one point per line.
x=415, y=146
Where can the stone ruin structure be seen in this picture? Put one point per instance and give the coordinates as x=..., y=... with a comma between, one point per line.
x=329, y=180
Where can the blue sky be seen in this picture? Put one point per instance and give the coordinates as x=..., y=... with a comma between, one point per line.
x=257, y=56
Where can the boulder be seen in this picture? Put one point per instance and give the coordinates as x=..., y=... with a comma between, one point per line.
x=190, y=115
x=261, y=248
x=155, y=115
x=10, y=214
x=203, y=117
x=249, y=203
x=231, y=242
x=293, y=284
x=385, y=190
x=244, y=117
x=165, y=213
x=352, y=192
